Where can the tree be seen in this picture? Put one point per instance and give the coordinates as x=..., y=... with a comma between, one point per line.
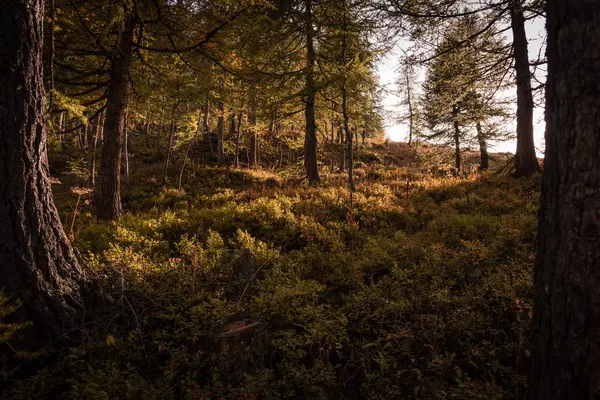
x=566, y=328
x=462, y=84
x=37, y=262
x=526, y=163
x=310, y=138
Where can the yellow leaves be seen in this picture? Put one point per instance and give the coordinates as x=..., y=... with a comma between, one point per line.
x=110, y=340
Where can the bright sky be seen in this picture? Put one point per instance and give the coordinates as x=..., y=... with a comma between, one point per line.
x=399, y=132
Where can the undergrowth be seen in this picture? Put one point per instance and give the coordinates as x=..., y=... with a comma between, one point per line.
x=418, y=288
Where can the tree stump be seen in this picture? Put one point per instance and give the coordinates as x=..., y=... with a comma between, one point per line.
x=240, y=347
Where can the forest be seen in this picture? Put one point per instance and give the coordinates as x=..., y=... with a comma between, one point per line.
x=199, y=200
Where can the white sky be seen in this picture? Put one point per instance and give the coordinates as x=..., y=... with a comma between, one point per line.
x=399, y=132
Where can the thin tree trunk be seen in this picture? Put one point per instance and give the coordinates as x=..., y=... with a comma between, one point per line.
x=126, y=152
x=526, y=163
x=484, y=164
x=37, y=264
x=187, y=152
x=566, y=318
x=220, y=128
x=170, y=146
x=253, y=157
x=206, y=130
x=147, y=132
x=351, y=184
x=108, y=199
x=96, y=132
x=410, y=109
x=310, y=138
x=332, y=137
x=456, y=137
x=343, y=140
x=237, y=139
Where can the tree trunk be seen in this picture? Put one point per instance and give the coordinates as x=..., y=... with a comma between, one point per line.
x=126, y=152
x=485, y=160
x=169, y=150
x=310, y=138
x=351, y=185
x=237, y=139
x=147, y=132
x=97, y=132
x=220, y=128
x=410, y=109
x=253, y=157
x=566, y=320
x=37, y=263
x=332, y=137
x=456, y=137
x=206, y=130
x=108, y=199
x=343, y=152
x=187, y=152
x=526, y=163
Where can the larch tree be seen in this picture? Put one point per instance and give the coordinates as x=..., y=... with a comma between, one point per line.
x=566, y=320
x=425, y=16
x=37, y=263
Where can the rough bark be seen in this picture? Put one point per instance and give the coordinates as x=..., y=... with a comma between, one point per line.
x=37, y=263
x=108, y=199
x=485, y=159
x=310, y=138
x=566, y=321
x=526, y=163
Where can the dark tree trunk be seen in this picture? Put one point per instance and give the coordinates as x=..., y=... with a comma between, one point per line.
x=526, y=163
x=310, y=138
x=485, y=159
x=237, y=139
x=207, y=131
x=410, y=109
x=456, y=138
x=343, y=152
x=566, y=320
x=147, y=132
x=108, y=199
x=37, y=263
x=333, y=137
x=126, y=152
x=351, y=184
x=220, y=128
x=253, y=155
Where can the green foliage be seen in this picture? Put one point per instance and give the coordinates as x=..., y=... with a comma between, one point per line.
x=418, y=297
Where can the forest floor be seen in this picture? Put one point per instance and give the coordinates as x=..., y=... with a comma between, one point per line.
x=251, y=285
